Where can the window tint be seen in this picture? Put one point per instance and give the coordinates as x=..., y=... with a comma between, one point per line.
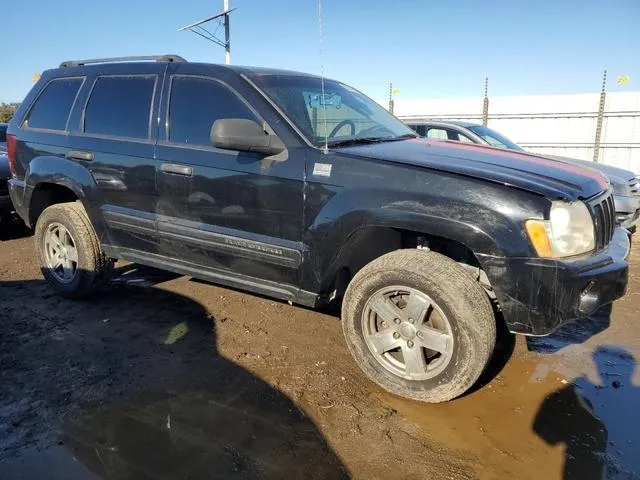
x=437, y=134
x=120, y=106
x=3, y=134
x=52, y=109
x=195, y=104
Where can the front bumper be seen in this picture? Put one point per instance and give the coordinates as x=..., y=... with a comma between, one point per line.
x=537, y=295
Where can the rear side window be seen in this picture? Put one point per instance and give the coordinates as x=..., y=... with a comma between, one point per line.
x=120, y=106
x=53, y=106
x=196, y=103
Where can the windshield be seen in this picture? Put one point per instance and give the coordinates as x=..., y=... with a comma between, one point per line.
x=351, y=117
x=493, y=138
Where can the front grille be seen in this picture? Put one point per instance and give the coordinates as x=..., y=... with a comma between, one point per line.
x=4, y=186
x=604, y=213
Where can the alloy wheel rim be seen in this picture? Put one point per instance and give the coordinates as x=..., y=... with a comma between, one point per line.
x=61, y=253
x=407, y=332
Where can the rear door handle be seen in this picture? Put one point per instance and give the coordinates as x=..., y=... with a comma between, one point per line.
x=78, y=155
x=177, y=169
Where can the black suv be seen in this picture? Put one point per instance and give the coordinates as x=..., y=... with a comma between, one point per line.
x=304, y=189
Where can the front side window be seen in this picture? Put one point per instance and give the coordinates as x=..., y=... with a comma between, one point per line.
x=52, y=108
x=419, y=129
x=120, y=106
x=337, y=113
x=3, y=134
x=195, y=103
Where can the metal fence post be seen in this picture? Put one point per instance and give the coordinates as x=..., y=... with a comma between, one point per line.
x=603, y=97
x=485, y=106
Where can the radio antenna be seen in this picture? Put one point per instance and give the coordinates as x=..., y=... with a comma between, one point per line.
x=322, y=99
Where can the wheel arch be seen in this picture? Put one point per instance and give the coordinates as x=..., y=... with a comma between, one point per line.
x=368, y=242
x=51, y=180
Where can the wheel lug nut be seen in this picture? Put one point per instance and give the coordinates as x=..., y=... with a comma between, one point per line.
x=419, y=334
x=397, y=320
x=384, y=324
x=411, y=320
x=409, y=344
x=396, y=335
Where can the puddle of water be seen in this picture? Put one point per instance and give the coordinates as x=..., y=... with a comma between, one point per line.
x=534, y=422
x=241, y=429
x=53, y=463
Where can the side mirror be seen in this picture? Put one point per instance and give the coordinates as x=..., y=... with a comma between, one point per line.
x=244, y=136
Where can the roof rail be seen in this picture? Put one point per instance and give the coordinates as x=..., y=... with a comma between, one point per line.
x=157, y=58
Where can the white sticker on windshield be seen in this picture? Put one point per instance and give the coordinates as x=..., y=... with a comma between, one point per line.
x=322, y=169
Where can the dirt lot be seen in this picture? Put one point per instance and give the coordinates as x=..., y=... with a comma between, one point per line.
x=164, y=377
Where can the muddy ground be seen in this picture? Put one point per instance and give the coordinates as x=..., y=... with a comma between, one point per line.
x=163, y=377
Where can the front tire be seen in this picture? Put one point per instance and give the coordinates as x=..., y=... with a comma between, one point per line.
x=419, y=325
x=69, y=252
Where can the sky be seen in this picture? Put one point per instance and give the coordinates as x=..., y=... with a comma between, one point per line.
x=427, y=48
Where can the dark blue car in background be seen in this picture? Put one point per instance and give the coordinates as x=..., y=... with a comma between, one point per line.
x=5, y=202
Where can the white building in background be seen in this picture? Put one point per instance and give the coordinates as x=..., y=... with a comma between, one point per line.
x=552, y=124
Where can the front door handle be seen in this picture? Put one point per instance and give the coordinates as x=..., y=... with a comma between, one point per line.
x=78, y=155
x=177, y=169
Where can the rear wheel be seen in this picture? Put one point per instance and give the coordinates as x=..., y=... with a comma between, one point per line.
x=70, y=256
x=419, y=325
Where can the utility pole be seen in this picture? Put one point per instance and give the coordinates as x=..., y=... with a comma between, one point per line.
x=603, y=98
x=227, y=41
x=485, y=105
x=391, y=98
x=200, y=30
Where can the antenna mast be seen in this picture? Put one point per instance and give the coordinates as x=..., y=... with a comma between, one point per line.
x=223, y=19
x=323, y=100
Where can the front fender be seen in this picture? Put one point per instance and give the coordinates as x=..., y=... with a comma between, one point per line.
x=488, y=225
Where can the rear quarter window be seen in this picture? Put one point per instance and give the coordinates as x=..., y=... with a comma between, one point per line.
x=52, y=107
x=120, y=106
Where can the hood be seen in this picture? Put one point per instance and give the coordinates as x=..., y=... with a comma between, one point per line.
x=541, y=175
x=617, y=176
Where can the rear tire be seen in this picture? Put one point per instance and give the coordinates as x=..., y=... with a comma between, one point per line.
x=69, y=252
x=405, y=300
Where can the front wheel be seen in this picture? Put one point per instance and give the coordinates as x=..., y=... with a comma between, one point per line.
x=70, y=256
x=419, y=325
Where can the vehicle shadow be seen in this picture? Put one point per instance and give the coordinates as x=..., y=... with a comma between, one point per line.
x=13, y=229
x=131, y=385
x=572, y=333
x=596, y=422
x=505, y=345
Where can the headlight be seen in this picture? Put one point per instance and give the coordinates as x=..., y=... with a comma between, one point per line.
x=569, y=231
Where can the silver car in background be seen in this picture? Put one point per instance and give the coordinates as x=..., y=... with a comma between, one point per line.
x=625, y=184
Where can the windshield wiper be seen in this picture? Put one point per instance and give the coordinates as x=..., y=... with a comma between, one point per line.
x=369, y=140
x=353, y=141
